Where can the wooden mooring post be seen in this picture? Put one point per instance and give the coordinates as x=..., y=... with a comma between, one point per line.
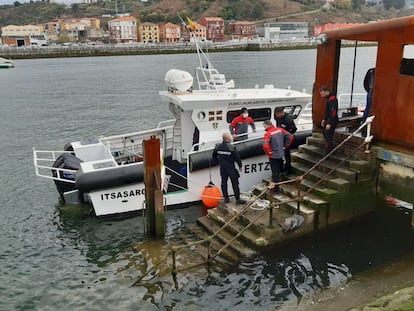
x=153, y=188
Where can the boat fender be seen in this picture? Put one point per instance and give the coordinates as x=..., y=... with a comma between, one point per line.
x=109, y=178
x=300, y=139
x=246, y=149
x=65, y=161
x=68, y=147
x=70, y=161
x=211, y=195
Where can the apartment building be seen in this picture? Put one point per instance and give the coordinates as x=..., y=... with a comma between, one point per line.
x=148, y=33
x=123, y=29
x=242, y=30
x=23, y=35
x=214, y=28
x=72, y=29
x=170, y=33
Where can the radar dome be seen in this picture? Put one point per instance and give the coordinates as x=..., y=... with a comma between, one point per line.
x=178, y=80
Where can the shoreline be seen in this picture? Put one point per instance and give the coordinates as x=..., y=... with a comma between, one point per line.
x=75, y=50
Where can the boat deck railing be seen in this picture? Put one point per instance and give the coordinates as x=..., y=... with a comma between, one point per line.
x=43, y=163
x=128, y=147
x=124, y=149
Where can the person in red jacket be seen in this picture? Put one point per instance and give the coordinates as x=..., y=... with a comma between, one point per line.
x=330, y=120
x=240, y=125
x=275, y=141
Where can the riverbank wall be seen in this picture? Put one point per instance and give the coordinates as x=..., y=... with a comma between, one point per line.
x=78, y=50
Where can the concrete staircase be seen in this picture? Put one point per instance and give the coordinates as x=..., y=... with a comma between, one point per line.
x=341, y=197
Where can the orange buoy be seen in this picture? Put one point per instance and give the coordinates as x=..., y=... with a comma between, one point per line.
x=211, y=195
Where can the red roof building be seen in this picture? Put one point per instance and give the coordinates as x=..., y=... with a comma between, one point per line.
x=214, y=28
x=242, y=29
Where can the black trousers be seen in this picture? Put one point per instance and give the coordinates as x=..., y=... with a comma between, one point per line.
x=234, y=175
x=328, y=135
x=288, y=160
x=275, y=165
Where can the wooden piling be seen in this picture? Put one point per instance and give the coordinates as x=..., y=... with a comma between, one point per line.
x=153, y=188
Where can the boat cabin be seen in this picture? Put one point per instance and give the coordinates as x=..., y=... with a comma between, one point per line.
x=202, y=116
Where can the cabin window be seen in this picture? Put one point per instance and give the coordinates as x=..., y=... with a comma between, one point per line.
x=201, y=115
x=257, y=115
x=293, y=111
x=407, y=63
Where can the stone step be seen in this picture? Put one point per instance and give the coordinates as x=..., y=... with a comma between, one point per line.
x=312, y=203
x=317, y=197
x=269, y=233
x=225, y=236
x=223, y=214
x=317, y=141
x=360, y=162
x=228, y=256
x=319, y=153
x=331, y=181
x=326, y=166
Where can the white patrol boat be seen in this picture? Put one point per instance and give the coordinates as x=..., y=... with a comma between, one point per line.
x=108, y=173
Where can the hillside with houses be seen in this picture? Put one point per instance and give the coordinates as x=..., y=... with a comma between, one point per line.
x=155, y=22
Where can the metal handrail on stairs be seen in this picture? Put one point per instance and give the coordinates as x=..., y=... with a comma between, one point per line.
x=298, y=198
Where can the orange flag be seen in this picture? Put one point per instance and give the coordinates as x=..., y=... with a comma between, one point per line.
x=191, y=24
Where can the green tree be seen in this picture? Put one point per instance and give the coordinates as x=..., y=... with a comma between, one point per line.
x=228, y=12
x=356, y=5
x=396, y=4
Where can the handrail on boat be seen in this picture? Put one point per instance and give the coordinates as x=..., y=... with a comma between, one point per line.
x=53, y=155
x=212, y=143
x=166, y=123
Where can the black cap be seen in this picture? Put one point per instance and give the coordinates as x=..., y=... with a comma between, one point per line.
x=243, y=110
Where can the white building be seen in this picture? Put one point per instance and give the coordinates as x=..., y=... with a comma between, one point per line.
x=284, y=31
x=123, y=29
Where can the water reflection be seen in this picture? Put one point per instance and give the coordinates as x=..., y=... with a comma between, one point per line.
x=118, y=252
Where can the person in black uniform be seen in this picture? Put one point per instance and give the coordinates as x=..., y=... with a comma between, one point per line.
x=225, y=154
x=330, y=120
x=368, y=86
x=285, y=121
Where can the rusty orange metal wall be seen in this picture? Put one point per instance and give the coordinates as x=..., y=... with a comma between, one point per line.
x=393, y=99
x=327, y=64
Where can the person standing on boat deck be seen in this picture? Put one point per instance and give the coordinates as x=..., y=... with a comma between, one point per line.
x=275, y=141
x=240, y=125
x=285, y=121
x=330, y=120
x=225, y=154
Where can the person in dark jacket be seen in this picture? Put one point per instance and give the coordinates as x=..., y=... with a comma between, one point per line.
x=285, y=121
x=240, y=125
x=225, y=154
x=275, y=140
x=368, y=86
x=330, y=120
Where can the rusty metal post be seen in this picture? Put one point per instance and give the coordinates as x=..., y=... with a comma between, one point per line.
x=412, y=219
x=270, y=216
x=299, y=181
x=153, y=189
x=174, y=259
